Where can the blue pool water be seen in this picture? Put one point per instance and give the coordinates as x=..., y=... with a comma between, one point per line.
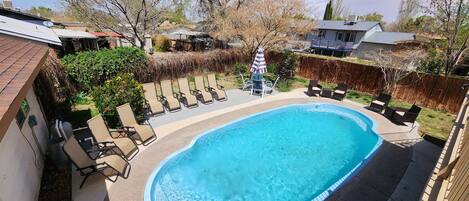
x=297, y=152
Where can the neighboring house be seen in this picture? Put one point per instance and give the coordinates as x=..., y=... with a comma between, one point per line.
x=343, y=38
x=110, y=39
x=24, y=132
x=75, y=41
x=15, y=14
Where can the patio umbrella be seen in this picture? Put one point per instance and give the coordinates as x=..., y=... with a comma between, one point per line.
x=258, y=65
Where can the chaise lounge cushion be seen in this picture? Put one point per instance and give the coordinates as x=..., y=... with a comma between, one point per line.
x=339, y=92
x=400, y=113
x=377, y=102
x=316, y=89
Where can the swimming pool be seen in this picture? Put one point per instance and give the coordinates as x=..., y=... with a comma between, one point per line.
x=296, y=152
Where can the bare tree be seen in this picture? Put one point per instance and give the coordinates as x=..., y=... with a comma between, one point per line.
x=452, y=17
x=339, y=11
x=396, y=66
x=263, y=23
x=131, y=18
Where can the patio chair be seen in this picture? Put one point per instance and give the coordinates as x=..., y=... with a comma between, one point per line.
x=269, y=87
x=200, y=90
x=407, y=116
x=168, y=96
x=380, y=102
x=216, y=88
x=125, y=146
x=144, y=132
x=151, y=99
x=313, y=88
x=247, y=83
x=340, y=91
x=110, y=166
x=185, y=94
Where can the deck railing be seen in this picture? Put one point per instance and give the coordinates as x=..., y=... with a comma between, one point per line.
x=451, y=174
x=319, y=42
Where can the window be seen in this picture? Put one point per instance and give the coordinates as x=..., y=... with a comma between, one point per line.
x=321, y=34
x=22, y=113
x=350, y=37
x=339, y=36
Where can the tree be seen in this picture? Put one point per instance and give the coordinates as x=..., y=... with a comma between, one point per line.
x=328, y=12
x=41, y=11
x=339, y=11
x=396, y=66
x=374, y=17
x=257, y=23
x=131, y=18
x=408, y=9
x=452, y=17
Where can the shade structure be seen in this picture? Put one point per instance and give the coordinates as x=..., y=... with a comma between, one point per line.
x=258, y=65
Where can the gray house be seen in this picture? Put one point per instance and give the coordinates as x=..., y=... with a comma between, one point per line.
x=344, y=38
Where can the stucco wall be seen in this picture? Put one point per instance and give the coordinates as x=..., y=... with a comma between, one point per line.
x=20, y=166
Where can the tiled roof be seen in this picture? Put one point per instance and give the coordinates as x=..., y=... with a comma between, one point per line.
x=343, y=25
x=20, y=61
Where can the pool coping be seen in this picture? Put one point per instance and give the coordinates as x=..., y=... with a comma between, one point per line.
x=325, y=194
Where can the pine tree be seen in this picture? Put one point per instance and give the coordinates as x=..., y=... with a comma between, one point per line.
x=328, y=12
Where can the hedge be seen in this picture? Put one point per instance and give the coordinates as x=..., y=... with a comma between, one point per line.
x=92, y=68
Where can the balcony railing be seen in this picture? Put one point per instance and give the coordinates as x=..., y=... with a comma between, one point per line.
x=318, y=42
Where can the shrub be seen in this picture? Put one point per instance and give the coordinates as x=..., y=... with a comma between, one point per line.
x=240, y=68
x=272, y=68
x=92, y=68
x=286, y=69
x=161, y=43
x=120, y=90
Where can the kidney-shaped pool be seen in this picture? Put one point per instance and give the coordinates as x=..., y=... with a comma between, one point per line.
x=296, y=152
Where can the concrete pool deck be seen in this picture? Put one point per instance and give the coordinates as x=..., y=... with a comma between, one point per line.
x=176, y=130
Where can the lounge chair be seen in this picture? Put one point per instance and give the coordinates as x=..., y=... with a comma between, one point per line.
x=151, y=99
x=313, y=88
x=215, y=88
x=168, y=96
x=407, y=116
x=185, y=94
x=204, y=96
x=144, y=132
x=125, y=146
x=110, y=166
x=340, y=91
x=380, y=102
x=269, y=87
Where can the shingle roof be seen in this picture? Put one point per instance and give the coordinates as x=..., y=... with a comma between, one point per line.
x=28, y=30
x=20, y=62
x=342, y=25
x=390, y=38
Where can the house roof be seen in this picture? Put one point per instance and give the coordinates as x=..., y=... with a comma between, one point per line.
x=107, y=34
x=390, y=38
x=18, y=14
x=14, y=27
x=65, y=33
x=342, y=25
x=20, y=62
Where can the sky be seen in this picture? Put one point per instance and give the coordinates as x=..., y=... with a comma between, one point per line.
x=388, y=8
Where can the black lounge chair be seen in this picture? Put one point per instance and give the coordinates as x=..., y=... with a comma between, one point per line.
x=313, y=88
x=410, y=115
x=340, y=91
x=380, y=102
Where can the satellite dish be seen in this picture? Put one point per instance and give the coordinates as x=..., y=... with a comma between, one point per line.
x=48, y=23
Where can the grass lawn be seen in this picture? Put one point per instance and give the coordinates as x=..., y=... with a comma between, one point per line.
x=432, y=122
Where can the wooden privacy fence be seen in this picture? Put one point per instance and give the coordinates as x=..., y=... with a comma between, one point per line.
x=437, y=92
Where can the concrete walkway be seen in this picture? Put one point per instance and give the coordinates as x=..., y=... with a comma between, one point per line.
x=176, y=130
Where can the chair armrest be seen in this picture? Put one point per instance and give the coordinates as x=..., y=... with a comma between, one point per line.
x=196, y=91
x=221, y=87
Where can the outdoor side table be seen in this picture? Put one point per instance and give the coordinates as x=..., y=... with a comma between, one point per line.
x=327, y=93
x=389, y=112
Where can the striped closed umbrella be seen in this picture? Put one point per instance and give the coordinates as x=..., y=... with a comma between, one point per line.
x=258, y=65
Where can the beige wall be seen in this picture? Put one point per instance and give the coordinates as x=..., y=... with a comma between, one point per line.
x=20, y=173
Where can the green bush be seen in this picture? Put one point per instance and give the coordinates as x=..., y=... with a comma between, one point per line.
x=286, y=69
x=272, y=68
x=284, y=85
x=161, y=43
x=240, y=68
x=120, y=90
x=92, y=68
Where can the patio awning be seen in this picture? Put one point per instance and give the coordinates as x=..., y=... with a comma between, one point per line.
x=65, y=33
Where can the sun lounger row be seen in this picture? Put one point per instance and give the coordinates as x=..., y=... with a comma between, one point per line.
x=111, y=150
x=189, y=97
